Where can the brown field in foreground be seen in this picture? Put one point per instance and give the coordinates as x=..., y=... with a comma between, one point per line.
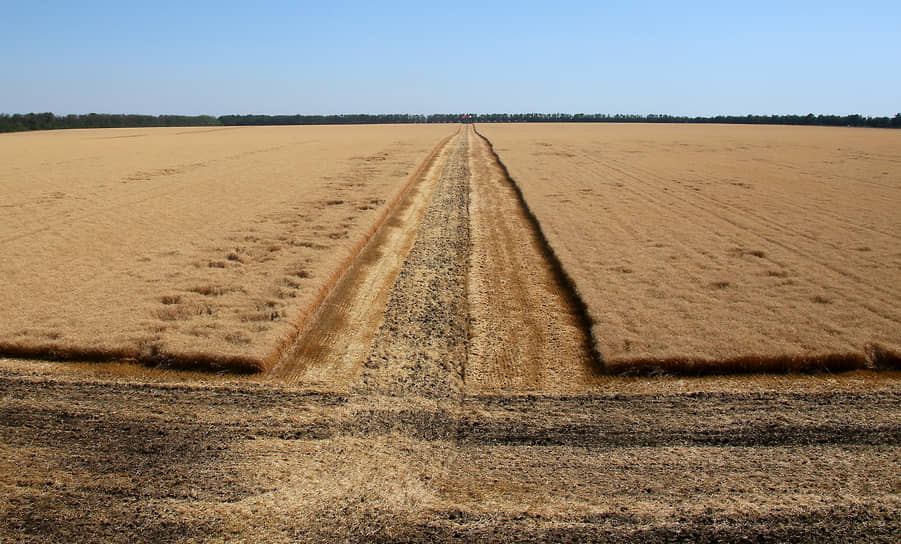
x=209, y=245
x=716, y=459
x=699, y=248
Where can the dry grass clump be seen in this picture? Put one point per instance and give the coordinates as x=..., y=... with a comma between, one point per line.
x=721, y=248
x=165, y=246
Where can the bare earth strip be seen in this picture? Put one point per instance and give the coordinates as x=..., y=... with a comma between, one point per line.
x=525, y=334
x=330, y=351
x=187, y=246
x=420, y=348
x=722, y=248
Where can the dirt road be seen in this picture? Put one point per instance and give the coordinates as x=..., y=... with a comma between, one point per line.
x=446, y=393
x=331, y=349
x=458, y=284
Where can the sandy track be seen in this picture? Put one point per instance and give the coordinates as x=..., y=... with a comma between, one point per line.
x=525, y=333
x=420, y=348
x=332, y=348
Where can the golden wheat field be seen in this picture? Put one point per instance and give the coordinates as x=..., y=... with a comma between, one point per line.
x=699, y=248
x=208, y=245
x=433, y=325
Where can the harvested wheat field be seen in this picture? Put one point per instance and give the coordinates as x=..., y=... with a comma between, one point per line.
x=721, y=248
x=443, y=379
x=198, y=247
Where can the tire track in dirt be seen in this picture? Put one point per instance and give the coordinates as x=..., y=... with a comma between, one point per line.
x=338, y=337
x=526, y=333
x=457, y=286
x=421, y=347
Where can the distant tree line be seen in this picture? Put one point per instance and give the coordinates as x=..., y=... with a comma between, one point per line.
x=352, y=119
x=809, y=119
x=48, y=121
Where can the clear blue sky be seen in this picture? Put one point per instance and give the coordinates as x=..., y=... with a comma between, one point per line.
x=687, y=58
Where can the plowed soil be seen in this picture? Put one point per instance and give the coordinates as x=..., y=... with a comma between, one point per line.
x=788, y=458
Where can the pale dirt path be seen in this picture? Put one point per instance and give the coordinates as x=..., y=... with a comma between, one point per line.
x=332, y=348
x=525, y=333
x=420, y=349
x=474, y=243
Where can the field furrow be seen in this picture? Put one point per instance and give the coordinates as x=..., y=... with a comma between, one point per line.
x=330, y=349
x=526, y=333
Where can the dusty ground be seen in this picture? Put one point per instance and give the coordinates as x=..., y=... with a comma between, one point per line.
x=331, y=350
x=722, y=246
x=806, y=459
x=436, y=428
x=524, y=332
x=192, y=245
